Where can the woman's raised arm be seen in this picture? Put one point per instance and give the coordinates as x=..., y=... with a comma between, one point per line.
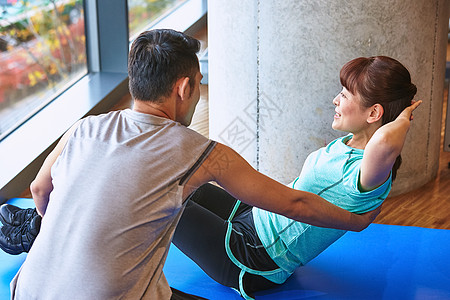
x=383, y=148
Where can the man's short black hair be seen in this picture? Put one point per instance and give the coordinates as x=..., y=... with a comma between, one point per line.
x=157, y=59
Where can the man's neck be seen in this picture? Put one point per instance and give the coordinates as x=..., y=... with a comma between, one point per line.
x=156, y=109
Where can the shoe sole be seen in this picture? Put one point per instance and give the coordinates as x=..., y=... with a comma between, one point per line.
x=9, y=251
x=2, y=219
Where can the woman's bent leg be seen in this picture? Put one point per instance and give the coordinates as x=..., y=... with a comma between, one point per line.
x=200, y=235
x=216, y=200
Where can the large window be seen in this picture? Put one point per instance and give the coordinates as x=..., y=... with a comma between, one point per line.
x=43, y=49
x=42, y=52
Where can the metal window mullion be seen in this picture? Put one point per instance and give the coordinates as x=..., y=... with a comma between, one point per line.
x=107, y=35
x=92, y=45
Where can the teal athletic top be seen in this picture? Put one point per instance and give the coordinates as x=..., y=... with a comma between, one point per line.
x=331, y=172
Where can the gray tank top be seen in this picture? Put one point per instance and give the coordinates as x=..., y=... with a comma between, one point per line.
x=116, y=201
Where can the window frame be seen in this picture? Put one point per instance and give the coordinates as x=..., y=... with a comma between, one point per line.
x=24, y=150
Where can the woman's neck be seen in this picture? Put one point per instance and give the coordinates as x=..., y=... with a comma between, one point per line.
x=356, y=143
x=359, y=140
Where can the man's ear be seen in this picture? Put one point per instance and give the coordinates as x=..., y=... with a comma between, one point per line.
x=183, y=87
x=376, y=113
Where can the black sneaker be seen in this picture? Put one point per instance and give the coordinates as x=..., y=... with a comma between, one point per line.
x=13, y=215
x=17, y=239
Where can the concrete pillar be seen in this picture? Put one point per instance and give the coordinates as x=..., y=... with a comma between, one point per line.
x=274, y=70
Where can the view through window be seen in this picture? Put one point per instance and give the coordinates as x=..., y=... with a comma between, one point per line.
x=42, y=52
x=142, y=13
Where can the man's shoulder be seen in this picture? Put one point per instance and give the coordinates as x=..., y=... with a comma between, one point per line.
x=102, y=116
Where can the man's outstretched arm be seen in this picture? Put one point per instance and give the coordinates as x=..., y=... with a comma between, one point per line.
x=239, y=178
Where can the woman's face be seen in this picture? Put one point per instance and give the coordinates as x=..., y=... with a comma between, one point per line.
x=350, y=115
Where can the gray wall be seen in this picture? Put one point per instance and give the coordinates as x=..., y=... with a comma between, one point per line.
x=274, y=70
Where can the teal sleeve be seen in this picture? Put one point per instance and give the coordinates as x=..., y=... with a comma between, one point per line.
x=367, y=200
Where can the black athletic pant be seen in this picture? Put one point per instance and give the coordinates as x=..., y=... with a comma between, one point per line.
x=179, y=295
x=200, y=235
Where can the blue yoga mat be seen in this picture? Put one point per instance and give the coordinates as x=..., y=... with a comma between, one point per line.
x=382, y=262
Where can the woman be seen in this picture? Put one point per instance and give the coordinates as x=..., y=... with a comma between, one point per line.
x=251, y=249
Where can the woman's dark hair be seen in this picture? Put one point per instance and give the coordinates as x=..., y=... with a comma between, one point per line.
x=383, y=80
x=157, y=59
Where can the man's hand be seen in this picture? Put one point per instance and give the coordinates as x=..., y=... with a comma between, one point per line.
x=367, y=218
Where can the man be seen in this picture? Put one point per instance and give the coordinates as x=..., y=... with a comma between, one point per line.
x=113, y=189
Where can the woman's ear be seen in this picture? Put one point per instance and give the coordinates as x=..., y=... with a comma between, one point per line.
x=183, y=87
x=376, y=113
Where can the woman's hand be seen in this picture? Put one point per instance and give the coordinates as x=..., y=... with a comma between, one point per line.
x=408, y=112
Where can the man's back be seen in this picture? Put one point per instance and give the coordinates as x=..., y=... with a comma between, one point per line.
x=112, y=212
